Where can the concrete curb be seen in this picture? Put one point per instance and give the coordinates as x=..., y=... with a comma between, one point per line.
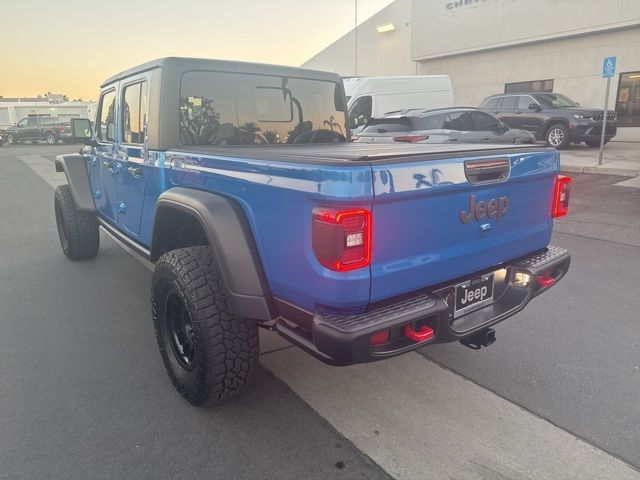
x=621, y=172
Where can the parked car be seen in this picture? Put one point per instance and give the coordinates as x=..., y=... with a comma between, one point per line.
x=39, y=128
x=552, y=117
x=451, y=125
x=352, y=252
x=2, y=134
x=374, y=96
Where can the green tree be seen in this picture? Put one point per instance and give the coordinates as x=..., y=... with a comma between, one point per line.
x=271, y=136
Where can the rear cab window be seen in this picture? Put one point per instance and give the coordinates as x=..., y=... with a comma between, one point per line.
x=220, y=108
x=134, y=113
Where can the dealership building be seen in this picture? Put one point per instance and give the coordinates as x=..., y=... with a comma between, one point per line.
x=496, y=46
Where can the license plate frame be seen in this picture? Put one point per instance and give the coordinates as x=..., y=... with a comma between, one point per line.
x=466, y=302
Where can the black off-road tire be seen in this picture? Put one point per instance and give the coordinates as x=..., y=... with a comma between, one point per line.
x=78, y=231
x=11, y=140
x=214, y=358
x=557, y=136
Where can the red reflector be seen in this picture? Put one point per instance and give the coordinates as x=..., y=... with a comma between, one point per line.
x=342, y=239
x=380, y=338
x=545, y=281
x=410, y=138
x=425, y=333
x=354, y=138
x=561, y=191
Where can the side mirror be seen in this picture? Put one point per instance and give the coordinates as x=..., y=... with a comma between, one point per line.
x=535, y=107
x=81, y=130
x=502, y=127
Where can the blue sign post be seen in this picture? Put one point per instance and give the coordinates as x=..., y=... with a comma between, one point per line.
x=609, y=67
x=608, y=71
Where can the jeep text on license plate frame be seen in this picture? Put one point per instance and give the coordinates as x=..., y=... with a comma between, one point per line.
x=473, y=294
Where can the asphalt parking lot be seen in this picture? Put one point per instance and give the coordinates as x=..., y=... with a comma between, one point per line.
x=83, y=393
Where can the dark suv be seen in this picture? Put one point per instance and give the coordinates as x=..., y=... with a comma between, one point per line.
x=552, y=117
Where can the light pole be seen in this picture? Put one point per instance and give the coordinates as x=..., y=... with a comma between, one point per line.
x=356, y=34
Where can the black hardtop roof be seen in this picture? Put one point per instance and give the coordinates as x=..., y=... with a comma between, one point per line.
x=185, y=64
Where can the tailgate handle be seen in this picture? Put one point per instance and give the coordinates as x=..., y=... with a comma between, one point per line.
x=487, y=171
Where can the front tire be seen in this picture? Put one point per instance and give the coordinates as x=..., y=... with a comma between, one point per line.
x=209, y=353
x=11, y=140
x=78, y=231
x=558, y=136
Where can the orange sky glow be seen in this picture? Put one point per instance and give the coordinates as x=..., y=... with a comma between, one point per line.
x=73, y=48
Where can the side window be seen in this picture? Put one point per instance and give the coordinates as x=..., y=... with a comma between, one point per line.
x=524, y=101
x=484, y=122
x=360, y=111
x=461, y=121
x=106, y=117
x=134, y=113
x=492, y=104
x=22, y=123
x=432, y=122
x=32, y=122
x=509, y=103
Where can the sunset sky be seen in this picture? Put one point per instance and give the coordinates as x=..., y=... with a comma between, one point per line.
x=71, y=46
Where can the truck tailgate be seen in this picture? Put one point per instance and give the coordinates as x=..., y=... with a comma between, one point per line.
x=436, y=219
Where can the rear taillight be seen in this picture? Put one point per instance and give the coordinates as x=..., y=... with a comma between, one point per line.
x=61, y=129
x=342, y=238
x=561, y=190
x=410, y=138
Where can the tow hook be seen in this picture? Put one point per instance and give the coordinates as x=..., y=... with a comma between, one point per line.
x=483, y=338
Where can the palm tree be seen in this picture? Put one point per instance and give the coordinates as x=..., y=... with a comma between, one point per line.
x=250, y=133
x=436, y=178
x=331, y=123
x=271, y=136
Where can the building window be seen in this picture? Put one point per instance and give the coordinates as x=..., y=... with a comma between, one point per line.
x=628, y=100
x=526, y=87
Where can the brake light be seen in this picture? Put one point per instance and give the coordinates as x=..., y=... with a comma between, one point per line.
x=61, y=129
x=410, y=138
x=561, y=191
x=342, y=239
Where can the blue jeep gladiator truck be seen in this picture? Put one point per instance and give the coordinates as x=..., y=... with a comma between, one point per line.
x=239, y=182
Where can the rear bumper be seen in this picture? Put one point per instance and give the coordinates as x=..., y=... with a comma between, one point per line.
x=346, y=339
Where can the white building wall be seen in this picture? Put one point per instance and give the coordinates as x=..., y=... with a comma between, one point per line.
x=378, y=53
x=575, y=65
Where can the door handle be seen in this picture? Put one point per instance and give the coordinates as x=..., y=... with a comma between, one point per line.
x=453, y=139
x=485, y=138
x=135, y=171
x=108, y=164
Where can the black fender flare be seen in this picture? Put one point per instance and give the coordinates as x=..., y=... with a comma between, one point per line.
x=229, y=234
x=74, y=167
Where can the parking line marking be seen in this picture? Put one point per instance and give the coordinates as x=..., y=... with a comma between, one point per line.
x=418, y=420
x=44, y=168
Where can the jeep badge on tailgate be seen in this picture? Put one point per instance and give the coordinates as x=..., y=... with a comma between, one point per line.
x=492, y=209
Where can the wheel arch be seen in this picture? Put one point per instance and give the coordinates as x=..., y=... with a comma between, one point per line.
x=186, y=217
x=74, y=167
x=554, y=121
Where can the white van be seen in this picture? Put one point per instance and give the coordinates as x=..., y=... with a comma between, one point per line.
x=373, y=96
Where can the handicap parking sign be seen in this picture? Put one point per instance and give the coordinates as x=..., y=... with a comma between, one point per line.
x=609, y=67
